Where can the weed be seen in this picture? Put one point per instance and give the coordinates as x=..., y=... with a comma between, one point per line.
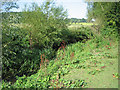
x=61, y=53
x=94, y=71
x=72, y=55
x=43, y=60
x=116, y=75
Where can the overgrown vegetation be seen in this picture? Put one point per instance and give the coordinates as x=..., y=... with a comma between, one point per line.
x=43, y=50
x=51, y=21
x=106, y=14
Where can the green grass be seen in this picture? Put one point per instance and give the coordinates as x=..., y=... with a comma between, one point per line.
x=96, y=64
x=78, y=25
x=86, y=23
x=82, y=23
x=98, y=67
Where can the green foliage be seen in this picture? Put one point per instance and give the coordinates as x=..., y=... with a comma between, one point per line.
x=44, y=83
x=16, y=52
x=7, y=6
x=46, y=79
x=109, y=32
x=18, y=58
x=52, y=75
x=75, y=20
x=44, y=29
x=94, y=72
x=45, y=23
x=106, y=14
x=81, y=34
x=116, y=75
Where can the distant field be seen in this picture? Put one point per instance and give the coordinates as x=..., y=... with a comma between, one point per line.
x=78, y=25
x=72, y=26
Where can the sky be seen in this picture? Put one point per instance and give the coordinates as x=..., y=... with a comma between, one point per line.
x=75, y=8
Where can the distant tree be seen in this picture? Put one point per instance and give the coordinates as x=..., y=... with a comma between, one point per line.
x=7, y=5
x=83, y=20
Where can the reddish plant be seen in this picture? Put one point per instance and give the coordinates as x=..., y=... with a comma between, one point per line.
x=72, y=55
x=108, y=46
x=57, y=80
x=113, y=75
x=41, y=57
x=82, y=86
x=61, y=47
x=103, y=66
x=63, y=43
x=46, y=62
x=95, y=63
x=110, y=43
x=43, y=60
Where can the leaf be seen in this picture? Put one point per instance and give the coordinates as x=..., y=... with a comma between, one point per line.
x=72, y=86
x=101, y=65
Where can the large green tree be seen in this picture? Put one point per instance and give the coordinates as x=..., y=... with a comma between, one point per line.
x=106, y=14
x=45, y=23
x=7, y=5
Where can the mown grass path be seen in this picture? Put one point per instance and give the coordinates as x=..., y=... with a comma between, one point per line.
x=99, y=72
x=104, y=79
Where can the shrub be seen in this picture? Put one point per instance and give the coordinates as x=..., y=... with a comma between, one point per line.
x=18, y=57
x=22, y=47
x=110, y=32
x=45, y=23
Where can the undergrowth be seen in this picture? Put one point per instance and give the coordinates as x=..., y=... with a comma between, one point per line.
x=68, y=57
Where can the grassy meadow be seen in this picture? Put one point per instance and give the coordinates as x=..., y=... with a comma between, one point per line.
x=78, y=25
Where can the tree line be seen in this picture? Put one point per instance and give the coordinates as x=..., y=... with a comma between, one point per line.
x=76, y=20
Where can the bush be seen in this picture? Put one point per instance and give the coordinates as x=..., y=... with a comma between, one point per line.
x=18, y=57
x=45, y=23
x=22, y=48
x=110, y=32
x=44, y=29
x=81, y=34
